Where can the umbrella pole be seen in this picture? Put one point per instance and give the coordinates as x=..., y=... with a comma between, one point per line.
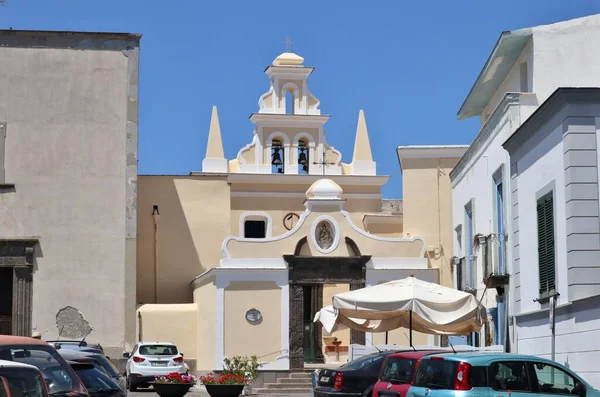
x=386, y=337
x=410, y=325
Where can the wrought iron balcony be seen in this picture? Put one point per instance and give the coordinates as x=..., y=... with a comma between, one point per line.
x=466, y=275
x=495, y=273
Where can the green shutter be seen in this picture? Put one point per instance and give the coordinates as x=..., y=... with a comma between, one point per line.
x=546, y=257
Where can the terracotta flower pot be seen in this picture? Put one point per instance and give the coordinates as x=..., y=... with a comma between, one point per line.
x=171, y=389
x=224, y=390
x=336, y=342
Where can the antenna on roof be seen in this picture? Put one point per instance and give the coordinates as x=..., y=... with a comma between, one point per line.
x=450, y=343
x=375, y=346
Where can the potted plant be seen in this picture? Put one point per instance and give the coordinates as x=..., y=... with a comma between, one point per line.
x=237, y=372
x=173, y=384
x=336, y=342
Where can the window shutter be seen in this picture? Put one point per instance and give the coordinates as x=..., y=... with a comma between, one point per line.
x=545, y=219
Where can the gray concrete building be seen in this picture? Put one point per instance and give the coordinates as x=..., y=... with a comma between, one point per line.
x=68, y=175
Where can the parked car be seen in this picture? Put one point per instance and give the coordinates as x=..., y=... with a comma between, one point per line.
x=355, y=378
x=99, y=361
x=397, y=373
x=60, y=378
x=80, y=345
x=17, y=379
x=149, y=359
x=97, y=382
x=495, y=374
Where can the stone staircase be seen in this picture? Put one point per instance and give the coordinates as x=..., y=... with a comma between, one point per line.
x=296, y=383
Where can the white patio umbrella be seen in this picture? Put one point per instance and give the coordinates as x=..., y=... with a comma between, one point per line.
x=411, y=303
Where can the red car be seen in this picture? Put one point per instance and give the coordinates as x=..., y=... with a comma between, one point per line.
x=397, y=373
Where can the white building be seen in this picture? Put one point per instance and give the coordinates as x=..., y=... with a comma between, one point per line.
x=525, y=67
x=556, y=232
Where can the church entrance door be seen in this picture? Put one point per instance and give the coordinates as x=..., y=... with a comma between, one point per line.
x=16, y=280
x=313, y=301
x=307, y=275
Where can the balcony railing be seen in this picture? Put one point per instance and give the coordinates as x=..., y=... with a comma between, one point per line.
x=466, y=275
x=494, y=261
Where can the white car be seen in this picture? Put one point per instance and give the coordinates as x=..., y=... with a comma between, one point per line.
x=150, y=359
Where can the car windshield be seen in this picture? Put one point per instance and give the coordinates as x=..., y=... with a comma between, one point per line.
x=21, y=382
x=95, y=381
x=362, y=362
x=397, y=370
x=60, y=378
x=158, y=350
x=106, y=365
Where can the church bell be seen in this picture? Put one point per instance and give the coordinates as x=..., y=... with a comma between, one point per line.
x=276, y=158
x=302, y=158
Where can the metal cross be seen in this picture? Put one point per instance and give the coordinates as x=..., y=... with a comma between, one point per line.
x=323, y=162
x=288, y=44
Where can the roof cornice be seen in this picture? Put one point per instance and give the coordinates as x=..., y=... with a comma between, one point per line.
x=507, y=50
x=288, y=120
x=484, y=135
x=376, y=180
x=550, y=107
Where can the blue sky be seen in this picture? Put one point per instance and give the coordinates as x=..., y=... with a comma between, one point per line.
x=408, y=64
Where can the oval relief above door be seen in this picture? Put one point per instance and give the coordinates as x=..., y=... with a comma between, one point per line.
x=324, y=235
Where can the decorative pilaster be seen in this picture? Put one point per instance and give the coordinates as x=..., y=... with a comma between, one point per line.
x=22, y=297
x=296, y=327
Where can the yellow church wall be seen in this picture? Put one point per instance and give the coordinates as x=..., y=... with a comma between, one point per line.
x=194, y=220
x=386, y=229
x=205, y=299
x=427, y=201
x=368, y=245
x=171, y=323
x=243, y=338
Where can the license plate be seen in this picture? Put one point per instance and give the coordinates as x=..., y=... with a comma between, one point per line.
x=159, y=364
x=324, y=379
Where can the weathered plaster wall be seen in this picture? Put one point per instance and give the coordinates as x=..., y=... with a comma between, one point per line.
x=69, y=102
x=194, y=220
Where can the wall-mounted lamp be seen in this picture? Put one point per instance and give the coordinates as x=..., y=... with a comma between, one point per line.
x=481, y=239
x=456, y=260
x=155, y=213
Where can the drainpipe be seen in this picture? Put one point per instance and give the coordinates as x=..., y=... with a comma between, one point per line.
x=155, y=216
x=139, y=326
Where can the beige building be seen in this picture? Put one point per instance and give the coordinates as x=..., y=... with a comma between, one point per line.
x=237, y=259
x=68, y=174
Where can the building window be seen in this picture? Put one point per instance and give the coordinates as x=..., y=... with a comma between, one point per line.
x=277, y=157
x=470, y=279
x=303, y=160
x=255, y=229
x=499, y=192
x=546, y=247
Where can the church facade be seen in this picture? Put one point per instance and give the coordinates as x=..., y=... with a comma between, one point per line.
x=237, y=259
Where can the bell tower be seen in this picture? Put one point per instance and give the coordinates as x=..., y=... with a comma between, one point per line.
x=289, y=136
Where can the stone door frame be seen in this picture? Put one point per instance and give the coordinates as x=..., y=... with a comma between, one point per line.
x=19, y=254
x=309, y=270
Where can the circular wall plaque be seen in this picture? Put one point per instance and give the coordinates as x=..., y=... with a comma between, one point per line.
x=290, y=220
x=253, y=315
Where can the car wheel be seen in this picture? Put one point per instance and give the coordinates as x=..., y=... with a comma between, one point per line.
x=130, y=385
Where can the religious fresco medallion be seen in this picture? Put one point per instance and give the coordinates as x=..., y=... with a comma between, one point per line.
x=324, y=235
